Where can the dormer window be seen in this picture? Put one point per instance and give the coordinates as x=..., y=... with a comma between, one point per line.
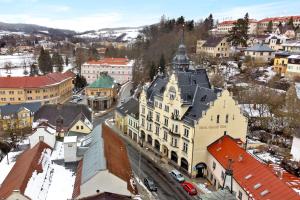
x=172, y=93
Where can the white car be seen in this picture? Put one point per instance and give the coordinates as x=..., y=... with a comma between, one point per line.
x=177, y=175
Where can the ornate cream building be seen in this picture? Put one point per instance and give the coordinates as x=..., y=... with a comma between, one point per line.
x=182, y=114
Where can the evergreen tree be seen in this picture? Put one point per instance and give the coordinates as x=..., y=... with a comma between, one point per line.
x=45, y=62
x=208, y=24
x=93, y=54
x=180, y=20
x=238, y=35
x=67, y=61
x=57, y=62
x=80, y=82
x=291, y=22
x=162, y=63
x=152, y=71
x=270, y=27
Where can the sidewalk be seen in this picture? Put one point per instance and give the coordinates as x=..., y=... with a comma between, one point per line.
x=162, y=163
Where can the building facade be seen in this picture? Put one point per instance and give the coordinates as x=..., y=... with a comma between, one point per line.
x=293, y=66
x=225, y=26
x=182, y=114
x=260, y=53
x=291, y=46
x=214, y=46
x=17, y=116
x=51, y=88
x=280, y=62
x=102, y=93
x=118, y=68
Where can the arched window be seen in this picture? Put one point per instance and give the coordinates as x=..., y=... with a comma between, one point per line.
x=218, y=119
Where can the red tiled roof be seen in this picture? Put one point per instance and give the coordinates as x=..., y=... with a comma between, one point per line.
x=226, y=148
x=35, y=81
x=230, y=22
x=76, y=190
x=282, y=19
x=21, y=172
x=110, y=61
x=116, y=157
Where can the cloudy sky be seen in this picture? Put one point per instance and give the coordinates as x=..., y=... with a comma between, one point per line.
x=81, y=15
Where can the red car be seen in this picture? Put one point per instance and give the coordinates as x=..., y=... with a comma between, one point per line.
x=190, y=188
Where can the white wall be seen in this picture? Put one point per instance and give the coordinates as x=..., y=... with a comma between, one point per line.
x=295, y=151
x=48, y=137
x=70, y=151
x=104, y=181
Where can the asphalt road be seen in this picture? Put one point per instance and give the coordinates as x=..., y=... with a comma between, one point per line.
x=167, y=187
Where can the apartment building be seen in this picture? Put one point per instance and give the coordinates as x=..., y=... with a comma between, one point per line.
x=118, y=68
x=182, y=114
x=214, y=46
x=225, y=26
x=51, y=88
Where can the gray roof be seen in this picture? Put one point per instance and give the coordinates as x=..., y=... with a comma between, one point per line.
x=68, y=112
x=218, y=195
x=212, y=41
x=260, y=48
x=181, y=59
x=131, y=107
x=195, y=92
x=94, y=158
x=11, y=109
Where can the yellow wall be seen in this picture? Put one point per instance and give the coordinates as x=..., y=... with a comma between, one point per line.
x=50, y=94
x=222, y=49
x=79, y=126
x=280, y=64
x=108, y=92
x=22, y=120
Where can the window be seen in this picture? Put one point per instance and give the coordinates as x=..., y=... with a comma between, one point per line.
x=261, y=53
x=186, y=132
x=11, y=92
x=157, y=130
x=143, y=122
x=214, y=165
x=185, y=147
x=166, y=108
x=81, y=127
x=77, y=127
x=175, y=128
x=70, y=145
x=155, y=103
x=29, y=98
x=143, y=110
x=240, y=195
x=166, y=135
x=157, y=117
x=226, y=119
x=174, y=142
x=218, y=119
x=41, y=138
x=166, y=121
x=160, y=105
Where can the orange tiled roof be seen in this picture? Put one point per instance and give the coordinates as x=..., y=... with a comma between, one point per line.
x=282, y=19
x=76, y=189
x=226, y=148
x=110, y=61
x=230, y=22
x=35, y=81
x=21, y=172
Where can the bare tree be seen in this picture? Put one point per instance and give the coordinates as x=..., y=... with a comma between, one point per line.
x=8, y=66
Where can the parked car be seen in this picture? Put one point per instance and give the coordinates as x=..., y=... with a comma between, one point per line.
x=189, y=187
x=177, y=176
x=149, y=183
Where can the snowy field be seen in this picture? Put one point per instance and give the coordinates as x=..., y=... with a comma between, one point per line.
x=17, y=60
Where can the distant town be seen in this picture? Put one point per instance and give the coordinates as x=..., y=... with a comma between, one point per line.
x=180, y=109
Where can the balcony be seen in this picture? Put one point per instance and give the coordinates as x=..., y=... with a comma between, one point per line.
x=175, y=117
x=172, y=132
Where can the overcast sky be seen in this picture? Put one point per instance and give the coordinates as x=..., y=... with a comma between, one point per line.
x=82, y=15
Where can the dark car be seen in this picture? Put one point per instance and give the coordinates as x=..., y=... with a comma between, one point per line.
x=150, y=184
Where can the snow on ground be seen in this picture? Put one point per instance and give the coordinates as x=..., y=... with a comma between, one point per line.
x=58, y=151
x=4, y=33
x=267, y=75
x=5, y=166
x=55, y=182
x=17, y=59
x=264, y=157
x=229, y=71
x=297, y=85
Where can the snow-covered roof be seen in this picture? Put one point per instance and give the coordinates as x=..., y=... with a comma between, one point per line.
x=70, y=139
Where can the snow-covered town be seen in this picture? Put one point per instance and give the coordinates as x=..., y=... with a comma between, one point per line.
x=119, y=102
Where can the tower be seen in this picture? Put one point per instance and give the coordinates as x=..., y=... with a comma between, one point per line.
x=181, y=60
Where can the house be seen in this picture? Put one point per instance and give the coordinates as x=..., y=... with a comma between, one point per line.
x=63, y=116
x=260, y=53
x=215, y=46
x=45, y=133
x=291, y=46
x=250, y=178
x=263, y=23
x=105, y=167
x=275, y=41
x=280, y=62
x=120, y=69
x=102, y=93
x=125, y=111
x=16, y=182
x=51, y=88
x=80, y=126
x=293, y=66
x=225, y=26
x=181, y=114
x=17, y=116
